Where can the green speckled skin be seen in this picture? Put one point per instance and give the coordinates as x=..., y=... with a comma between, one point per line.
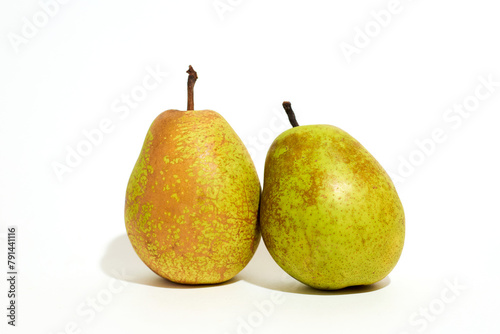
x=330, y=215
x=192, y=200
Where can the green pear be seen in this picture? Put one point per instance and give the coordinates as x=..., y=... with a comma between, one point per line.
x=330, y=215
x=193, y=196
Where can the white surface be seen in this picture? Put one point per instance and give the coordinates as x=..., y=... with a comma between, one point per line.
x=72, y=239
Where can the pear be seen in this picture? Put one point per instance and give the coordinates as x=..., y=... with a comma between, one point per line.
x=330, y=215
x=192, y=199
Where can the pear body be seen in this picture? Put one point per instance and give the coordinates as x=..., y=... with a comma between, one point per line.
x=192, y=199
x=330, y=215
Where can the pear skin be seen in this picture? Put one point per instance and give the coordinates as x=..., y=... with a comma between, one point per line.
x=192, y=199
x=330, y=215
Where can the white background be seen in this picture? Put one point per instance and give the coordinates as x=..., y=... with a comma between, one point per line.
x=71, y=73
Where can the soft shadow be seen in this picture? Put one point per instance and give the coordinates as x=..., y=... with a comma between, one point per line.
x=264, y=272
x=121, y=262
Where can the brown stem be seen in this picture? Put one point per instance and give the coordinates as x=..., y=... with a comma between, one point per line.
x=193, y=76
x=291, y=115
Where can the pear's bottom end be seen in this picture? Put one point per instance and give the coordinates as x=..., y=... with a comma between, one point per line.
x=351, y=287
x=197, y=279
x=197, y=283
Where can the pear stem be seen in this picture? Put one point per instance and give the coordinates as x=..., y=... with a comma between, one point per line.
x=291, y=115
x=193, y=76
